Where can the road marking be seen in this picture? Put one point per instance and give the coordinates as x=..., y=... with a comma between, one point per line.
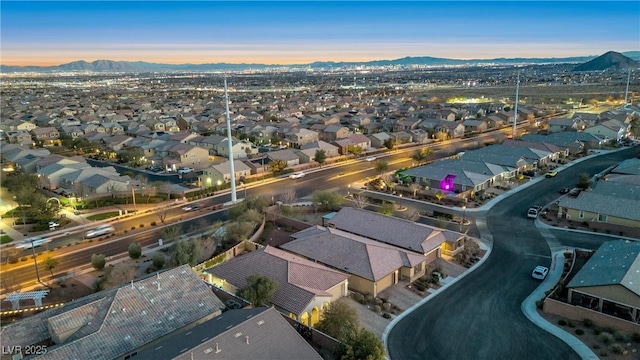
x=536, y=255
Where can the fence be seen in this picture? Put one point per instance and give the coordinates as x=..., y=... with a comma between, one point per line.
x=579, y=314
x=315, y=337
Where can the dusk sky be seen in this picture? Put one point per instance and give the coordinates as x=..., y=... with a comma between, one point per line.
x=52, y=33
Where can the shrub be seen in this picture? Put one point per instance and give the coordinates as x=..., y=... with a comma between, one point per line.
x=621, y=337
x=377, y=309
x=587, y=322
x=133, y=228
x=539, y=304
x=616, y=348
x=135, y=250
x=605, y=337
x=359, y=298
x=596, y=346
x=23, y=259
x=571, y=324
x=379, y=301
x=636, y=337
x=579, y=332
x=386, y=316
x=153, y=223
x=368, y=298
x=141, y=226
x=562, y=322
x=386, y=306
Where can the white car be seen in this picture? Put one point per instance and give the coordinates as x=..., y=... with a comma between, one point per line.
x=296, y=175
x=540, y=272
x=53, y=225
x=533, y=212
x=185, y=170
x=193, y=207
x=32, y=242
x=371, y=158
x=100, y=230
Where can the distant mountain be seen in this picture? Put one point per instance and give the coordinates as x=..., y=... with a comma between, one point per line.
x=141, y=66
x=609, y=60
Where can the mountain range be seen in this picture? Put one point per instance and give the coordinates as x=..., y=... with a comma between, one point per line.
x=608, y=60
x=141, y=66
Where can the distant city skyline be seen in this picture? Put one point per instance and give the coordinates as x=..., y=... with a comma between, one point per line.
x=52, y=33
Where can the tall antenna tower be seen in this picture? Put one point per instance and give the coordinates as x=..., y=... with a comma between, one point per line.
x=234, y=197
x=515, y=108
x=626, y=92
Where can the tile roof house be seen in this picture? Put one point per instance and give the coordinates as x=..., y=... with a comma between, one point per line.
x=614, y=130
x=114, y=323
x=49, y=176
x=629, y=166
x=334, y=132
x=373, y=266
x=286, y=155
x=221, y=172
x=405, y=234
x=301, y=137
x=49, y=136
x=260, y=333
x=609, y=283
x=305, y=288
x=22, y=137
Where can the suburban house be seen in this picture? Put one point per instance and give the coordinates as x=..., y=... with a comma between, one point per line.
x=360, y=140
x=105, y=184
x=373, y=266
x=49, y=136
x=609, y=130
x=474, y=126
x=566, y=124
x=329, y=149
x=301, y=137
x=609, y=201
x=241, y=149
x=334, y=132
x=286, y=155
x=608, y=283
x=114, y=323
x=220, y=173
x=22, y=137
x=426, y=240
x=378, y=139
x=188, y=155
x=305, y=288
x=49, y=176
x=450, y=129
x=260, y=333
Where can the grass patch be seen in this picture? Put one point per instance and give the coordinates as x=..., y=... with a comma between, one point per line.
x=4, y=239
x=103, y=216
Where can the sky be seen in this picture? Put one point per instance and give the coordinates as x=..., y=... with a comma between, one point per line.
x=300, y=32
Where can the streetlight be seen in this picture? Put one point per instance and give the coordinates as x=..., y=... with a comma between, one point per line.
x=464, y=207
x=349, y=190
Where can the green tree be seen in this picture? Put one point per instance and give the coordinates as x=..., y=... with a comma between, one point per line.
x=386, y=208
x=421, y=155
x=277, y=166
x=381, y=166
x=185, y=252
x=97, y=261
x=237, y=231
x=320, y=157
x=259, y=290
x=158, y=260
x=584, y=181
x=363, y=345
x=390, y=143
x=171, y=233
x=50, y=263
x=339, y=321
x=354, y=149
x=327, y=200
x=135, y=250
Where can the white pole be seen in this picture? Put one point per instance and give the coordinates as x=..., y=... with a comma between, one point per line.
x=626, y=92
x=515, y=108
x=234, y=197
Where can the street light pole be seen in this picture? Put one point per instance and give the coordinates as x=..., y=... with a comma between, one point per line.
x=134, y=199
x=35, y=261
x=464, y=207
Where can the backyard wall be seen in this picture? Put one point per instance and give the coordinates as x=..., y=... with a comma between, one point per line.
x=579, y=314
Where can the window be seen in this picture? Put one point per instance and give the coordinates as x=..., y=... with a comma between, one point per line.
x=602, y=218
x=417, y=268
x=581, y=214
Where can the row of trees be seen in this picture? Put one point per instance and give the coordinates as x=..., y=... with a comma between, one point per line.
x=32, y=205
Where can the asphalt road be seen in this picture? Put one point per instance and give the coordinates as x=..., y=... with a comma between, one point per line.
x=479, y=317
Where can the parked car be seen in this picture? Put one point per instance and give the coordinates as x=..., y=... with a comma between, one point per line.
x=53, y=225
x=540, y=272
x=156, y=168
x=100, y=230
x=32, y=242
x=551, y=174
x=185, y=170
x=533, y=212
x=232, y=304
x=565, y=190
x=297, y=175
x=574, y=193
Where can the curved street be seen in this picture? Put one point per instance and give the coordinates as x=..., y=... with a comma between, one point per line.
x=480, y=317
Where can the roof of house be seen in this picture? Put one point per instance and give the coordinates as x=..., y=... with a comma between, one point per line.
x=603, y=204
x=299, y=280
x=260, y=333
x=286, y=155
x=224, y=167
x=110, y=323
x=391, y=230
x=629, y=166
x=616, y=262
x=354, y=254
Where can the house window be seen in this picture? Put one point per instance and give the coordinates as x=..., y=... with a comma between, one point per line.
x=417, y=268
x=602, y=218
x=581, y=214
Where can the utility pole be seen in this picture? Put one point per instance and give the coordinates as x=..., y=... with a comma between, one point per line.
x=626, y=92
x=35, y=260
x=133, y=192
x=234, y=197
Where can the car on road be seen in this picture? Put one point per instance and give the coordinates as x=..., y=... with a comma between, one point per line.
x=297, y=175
x=534, y=211
x=540, y=272
x=193, y=207
x=551, y=174
x=371, y=158
x=100, y=230
x=565, y=191
x=185, y=170
x=32, y=242
x=156, y=168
